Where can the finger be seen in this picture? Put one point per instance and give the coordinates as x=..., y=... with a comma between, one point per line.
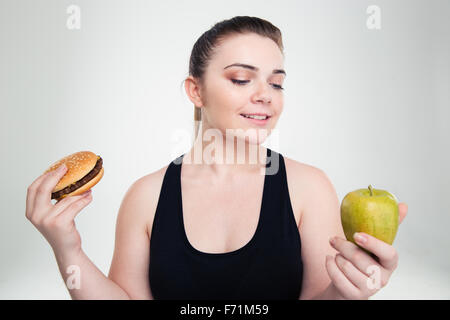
x=44, y=190
x=31, y=193
x=386, y=254
x=351, y=252
x=64, y=203
x=340, y=281
x=402, y=211
x=353, y=274
x=74, y=208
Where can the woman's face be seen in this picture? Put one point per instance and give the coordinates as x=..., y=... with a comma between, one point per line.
x=233, y=92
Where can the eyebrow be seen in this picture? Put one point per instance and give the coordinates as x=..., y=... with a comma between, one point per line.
x=254, y=68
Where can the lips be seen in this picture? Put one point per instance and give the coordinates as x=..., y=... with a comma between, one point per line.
x=256, y=114
x=259, y=121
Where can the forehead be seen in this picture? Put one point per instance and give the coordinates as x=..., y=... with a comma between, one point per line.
x=251, y=49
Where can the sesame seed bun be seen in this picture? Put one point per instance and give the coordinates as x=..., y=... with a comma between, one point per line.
x=87, y=186
x=84, y=170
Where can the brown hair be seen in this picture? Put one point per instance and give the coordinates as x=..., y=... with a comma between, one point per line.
x=204, y=46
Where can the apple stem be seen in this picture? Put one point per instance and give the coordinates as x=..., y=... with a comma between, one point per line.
x=370, y=189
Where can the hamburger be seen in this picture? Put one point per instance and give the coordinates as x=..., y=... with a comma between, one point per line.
x=84, y=170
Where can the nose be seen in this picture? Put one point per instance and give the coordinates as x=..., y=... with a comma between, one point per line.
x=262, y=93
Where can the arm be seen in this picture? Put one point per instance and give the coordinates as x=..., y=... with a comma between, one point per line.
x=128, y=275
x=87, y=282
x=344, y=275
x=320, y=220
x=131, y=259
x=56, y=223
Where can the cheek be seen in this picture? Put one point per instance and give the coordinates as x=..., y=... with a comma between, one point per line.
x=279, y=105
x=228, y=101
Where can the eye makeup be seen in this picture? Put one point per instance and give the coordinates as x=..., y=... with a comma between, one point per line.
x=253, y=68
x=237, y=76
x=243, y=82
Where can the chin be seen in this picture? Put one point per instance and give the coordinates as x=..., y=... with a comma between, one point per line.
x=252, y=136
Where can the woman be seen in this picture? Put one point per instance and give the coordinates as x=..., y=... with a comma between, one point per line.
x=215, y=229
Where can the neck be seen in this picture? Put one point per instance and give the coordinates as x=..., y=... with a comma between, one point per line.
x=225, y=156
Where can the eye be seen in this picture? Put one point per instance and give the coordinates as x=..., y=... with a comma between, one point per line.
x=242, y=82
x=239, y=82
x=278, y=87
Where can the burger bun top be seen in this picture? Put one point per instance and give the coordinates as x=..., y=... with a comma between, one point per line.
x=78, y=165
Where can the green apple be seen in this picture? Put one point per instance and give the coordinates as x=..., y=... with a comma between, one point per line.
x=371, y=211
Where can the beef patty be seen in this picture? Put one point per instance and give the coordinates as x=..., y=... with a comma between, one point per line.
x=81, y=182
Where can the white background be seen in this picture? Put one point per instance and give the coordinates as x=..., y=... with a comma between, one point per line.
x=365, y=106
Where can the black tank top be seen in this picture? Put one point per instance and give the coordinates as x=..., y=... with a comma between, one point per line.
x=269, y=266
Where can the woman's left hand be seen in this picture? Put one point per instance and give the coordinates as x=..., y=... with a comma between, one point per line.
x=354, y=273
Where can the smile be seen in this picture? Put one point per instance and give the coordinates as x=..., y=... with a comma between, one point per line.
x=256, y=118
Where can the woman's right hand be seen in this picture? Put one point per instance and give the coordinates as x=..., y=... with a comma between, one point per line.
x=55, y=221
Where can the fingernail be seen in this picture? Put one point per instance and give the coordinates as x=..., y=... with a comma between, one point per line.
x=332, y=241
x=62, y=168
x=360, y=238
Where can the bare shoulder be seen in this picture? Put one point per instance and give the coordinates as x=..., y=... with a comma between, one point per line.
x=144, y=192
x=132, y=239
x=305, y=183
x=320, y=221
x=305, y=176
x=297, y=167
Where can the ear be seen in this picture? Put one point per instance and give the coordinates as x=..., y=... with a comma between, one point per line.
x=193, y=91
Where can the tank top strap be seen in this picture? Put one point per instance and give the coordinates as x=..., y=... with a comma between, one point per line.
x=281, y=223
x=165, y=224
x=273, y=211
